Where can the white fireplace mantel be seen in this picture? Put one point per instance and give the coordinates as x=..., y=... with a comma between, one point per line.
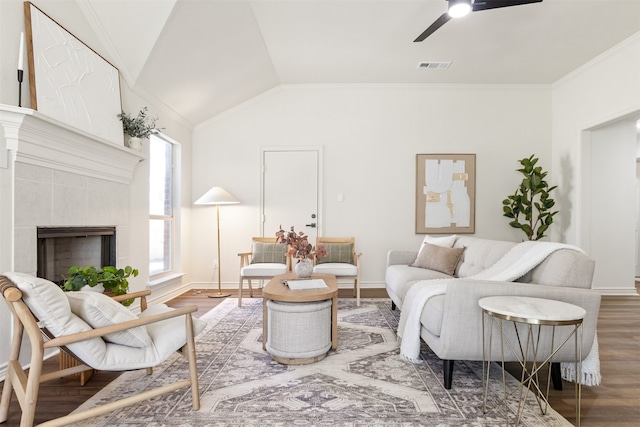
x=30, y=137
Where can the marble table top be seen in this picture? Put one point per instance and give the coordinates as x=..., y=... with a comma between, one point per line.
x=532, y=309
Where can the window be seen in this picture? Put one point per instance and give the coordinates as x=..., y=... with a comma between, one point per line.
x=162, y=208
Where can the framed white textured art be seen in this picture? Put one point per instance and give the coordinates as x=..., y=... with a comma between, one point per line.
x=445, y=193
x=69, y=82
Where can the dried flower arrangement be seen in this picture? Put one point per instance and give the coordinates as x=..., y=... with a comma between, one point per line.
x=299, y=246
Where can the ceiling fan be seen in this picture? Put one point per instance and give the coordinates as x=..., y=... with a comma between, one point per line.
x=459, y=8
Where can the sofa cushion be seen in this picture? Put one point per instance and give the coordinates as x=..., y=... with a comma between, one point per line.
x=337, y=253
x=444, y=241
x=438, y=258
x=479, y=254
x=99, y=310
x=269, y=253
x=399, y=279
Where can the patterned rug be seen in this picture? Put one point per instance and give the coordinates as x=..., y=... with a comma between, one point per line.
x=363, y=383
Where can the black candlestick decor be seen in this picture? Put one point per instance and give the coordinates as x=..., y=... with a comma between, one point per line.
x=20, y=76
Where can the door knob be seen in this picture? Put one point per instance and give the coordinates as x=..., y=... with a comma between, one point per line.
x=312, y=225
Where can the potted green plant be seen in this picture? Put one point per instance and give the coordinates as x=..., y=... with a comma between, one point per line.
x=530, y=206
x=113, y=279
x=138, y=127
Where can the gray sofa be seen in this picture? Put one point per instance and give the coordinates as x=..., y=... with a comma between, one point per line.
x=451, y=324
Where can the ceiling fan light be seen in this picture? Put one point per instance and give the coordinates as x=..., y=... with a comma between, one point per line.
x=459, y=8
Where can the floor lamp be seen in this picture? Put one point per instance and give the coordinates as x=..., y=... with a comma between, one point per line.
x=217, y=196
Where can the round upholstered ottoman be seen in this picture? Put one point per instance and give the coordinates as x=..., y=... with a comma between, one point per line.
x=299, y=332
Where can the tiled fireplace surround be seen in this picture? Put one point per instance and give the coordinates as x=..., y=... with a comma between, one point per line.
x=52, y=174
x=59, y=176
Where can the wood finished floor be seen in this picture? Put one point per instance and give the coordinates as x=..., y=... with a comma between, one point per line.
x=616, y=402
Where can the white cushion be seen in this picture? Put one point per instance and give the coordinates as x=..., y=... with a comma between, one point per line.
x=170, y=334
x=46, y=301
x=99, y=310
x=444, y=241
x=337, y=269
x=49, y=304
x=265, y=269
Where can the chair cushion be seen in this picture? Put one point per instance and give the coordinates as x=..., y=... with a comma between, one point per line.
x=337, y=252
x=50, y=306
x=438, y=258
x=265, y=269
x=269, y=253
x=336, y=268
x=46, y=301
x=99, y=310
x=170, y=334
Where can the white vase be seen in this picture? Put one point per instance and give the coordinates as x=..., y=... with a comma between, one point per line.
x=135, y=143
x=303, y=268
x=97, y=288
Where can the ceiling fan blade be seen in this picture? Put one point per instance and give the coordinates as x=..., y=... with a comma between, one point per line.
x=433, y=27
x=495, y=4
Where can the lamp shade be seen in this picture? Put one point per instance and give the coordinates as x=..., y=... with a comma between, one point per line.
x=216, y=196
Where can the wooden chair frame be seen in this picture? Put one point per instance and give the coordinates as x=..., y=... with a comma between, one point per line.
x=356, y=261
x=26, y=386
x=245, y=259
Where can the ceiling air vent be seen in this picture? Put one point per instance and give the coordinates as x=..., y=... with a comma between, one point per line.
x=433, y=65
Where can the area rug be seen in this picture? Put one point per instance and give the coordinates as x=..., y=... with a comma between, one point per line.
x=362, y=383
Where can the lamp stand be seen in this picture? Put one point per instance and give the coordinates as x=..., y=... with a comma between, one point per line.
x=219, y=294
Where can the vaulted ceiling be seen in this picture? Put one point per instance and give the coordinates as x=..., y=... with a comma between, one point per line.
x=203, y=57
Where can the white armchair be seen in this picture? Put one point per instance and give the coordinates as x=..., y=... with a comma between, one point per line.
x=266, y=260
x=96, y=330
x=343, y=261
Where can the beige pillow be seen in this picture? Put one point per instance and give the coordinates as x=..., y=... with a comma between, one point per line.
x=438, y=258
x=338, y=253
x=269, y=253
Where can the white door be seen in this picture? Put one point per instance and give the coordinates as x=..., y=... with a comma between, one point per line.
x=291, y=190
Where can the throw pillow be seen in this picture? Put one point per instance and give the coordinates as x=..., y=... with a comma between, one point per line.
x=444, y=241
x=99, y=310
x=437, y=258
x=269, y=252
x=338, y=253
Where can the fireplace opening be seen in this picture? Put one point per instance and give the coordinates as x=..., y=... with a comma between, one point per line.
x=60, y=248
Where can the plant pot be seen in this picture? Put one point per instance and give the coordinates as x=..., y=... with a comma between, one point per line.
x=135, y=143
x=97, y=288
x=303, y=268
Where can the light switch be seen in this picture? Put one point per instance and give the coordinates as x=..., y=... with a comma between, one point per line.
x=340, y=197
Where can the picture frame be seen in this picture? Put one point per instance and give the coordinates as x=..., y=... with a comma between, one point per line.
x=445, y=193
x=69, y=82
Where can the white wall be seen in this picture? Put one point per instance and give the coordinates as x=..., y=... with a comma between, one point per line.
x=370, y=136
x=600, y=93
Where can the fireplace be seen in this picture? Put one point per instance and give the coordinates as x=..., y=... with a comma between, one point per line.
x=62, y=247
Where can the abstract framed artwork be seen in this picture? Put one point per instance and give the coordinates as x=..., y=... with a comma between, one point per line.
x=69, y=82
x=445, y=193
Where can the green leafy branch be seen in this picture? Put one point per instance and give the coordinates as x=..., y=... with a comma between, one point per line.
x=530, y=206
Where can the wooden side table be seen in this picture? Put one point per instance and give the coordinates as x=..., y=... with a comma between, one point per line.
x=276, y=290
x=535, y=313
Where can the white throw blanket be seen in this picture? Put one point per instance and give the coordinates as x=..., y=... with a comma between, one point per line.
x=521, y=259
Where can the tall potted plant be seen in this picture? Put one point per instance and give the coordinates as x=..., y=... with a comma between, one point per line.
x=138, y=128
x=530, y=206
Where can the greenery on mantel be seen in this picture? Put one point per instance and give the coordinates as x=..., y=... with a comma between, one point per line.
x=138, y=127
x=112, y=278
x=530, y=206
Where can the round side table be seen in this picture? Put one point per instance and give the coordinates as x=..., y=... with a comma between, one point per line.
x=535, y=314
